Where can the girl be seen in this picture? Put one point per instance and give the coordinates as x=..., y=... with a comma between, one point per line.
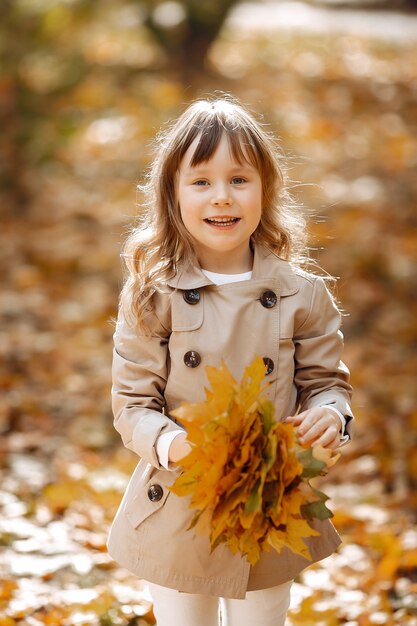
x=214, y=273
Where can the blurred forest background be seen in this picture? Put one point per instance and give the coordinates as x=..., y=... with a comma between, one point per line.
x=84, y=87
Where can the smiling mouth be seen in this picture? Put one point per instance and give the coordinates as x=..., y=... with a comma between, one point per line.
x=222, y=221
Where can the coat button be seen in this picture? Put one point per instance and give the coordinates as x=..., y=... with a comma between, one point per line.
x=269, y=364
x=192, y=359
x=268, y=299
x=191, y=296
x=155, y=493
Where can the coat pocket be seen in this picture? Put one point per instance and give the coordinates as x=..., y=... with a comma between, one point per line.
x=151, y=496
x=186, y=316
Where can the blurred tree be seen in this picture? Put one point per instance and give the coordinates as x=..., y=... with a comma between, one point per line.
x=37, y=69
x=186, y=30
x=48, y=49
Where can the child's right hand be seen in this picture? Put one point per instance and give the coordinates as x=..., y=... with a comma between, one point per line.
x=179, y=448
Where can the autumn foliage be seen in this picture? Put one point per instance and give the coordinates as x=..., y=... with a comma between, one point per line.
x=246, y=474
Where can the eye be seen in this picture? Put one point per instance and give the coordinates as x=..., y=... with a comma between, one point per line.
x=238, y=180
x=200, y=183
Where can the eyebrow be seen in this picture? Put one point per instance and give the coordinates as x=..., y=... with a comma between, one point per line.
x=201, y=168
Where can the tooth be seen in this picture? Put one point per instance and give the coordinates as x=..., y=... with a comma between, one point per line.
x=221, y=219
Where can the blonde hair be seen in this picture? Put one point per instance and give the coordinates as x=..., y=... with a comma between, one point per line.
x=160, y=241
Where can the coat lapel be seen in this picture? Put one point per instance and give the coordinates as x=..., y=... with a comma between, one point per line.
x=266, y=264
x=189, y=277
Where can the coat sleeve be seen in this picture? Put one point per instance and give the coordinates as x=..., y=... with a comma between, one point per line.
x=139, y=375
x=320, y=375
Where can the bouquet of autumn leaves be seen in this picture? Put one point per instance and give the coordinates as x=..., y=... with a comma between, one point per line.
x=247, y=476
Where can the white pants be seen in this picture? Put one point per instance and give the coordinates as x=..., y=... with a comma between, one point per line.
x=266, y=607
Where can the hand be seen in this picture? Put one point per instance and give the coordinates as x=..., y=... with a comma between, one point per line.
x=317, y=426
x=179, y=448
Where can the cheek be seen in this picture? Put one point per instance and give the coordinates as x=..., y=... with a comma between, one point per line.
x=188, y=203
x=187, y=214
x=257, y=202
x=183, y=197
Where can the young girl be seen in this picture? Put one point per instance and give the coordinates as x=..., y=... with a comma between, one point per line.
x=214, y=273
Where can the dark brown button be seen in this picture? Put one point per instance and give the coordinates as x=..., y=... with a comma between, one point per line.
x=269, y=364
x=155, y=493
x=192, y=296
x=192, y=359
x=268, y=299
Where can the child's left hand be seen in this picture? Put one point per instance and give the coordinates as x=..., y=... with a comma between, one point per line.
x=317, y=426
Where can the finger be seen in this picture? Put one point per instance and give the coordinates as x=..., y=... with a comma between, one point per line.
x=321, y=431
x=311, y=430
x=319, y=420
x=333, y=445
x=293, y=419
x=309, y=419
x=330, y=438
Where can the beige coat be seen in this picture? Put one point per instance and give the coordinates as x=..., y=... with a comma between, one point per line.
x=299, y=333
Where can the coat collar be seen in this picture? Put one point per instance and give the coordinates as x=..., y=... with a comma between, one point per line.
x=266, y=265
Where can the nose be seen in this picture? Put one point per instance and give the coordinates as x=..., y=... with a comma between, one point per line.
x=221, y=197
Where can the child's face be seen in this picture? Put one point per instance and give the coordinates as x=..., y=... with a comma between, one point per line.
x=221, y=203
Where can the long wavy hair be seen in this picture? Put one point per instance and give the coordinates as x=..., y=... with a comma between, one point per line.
x=159, y=242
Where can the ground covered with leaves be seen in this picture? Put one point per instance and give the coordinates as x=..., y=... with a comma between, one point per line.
x=344, y=107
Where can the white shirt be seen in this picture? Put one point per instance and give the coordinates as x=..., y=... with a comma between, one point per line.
x=164, y=441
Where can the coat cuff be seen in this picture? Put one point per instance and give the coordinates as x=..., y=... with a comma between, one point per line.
x=162, y=446
x=148, y=429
